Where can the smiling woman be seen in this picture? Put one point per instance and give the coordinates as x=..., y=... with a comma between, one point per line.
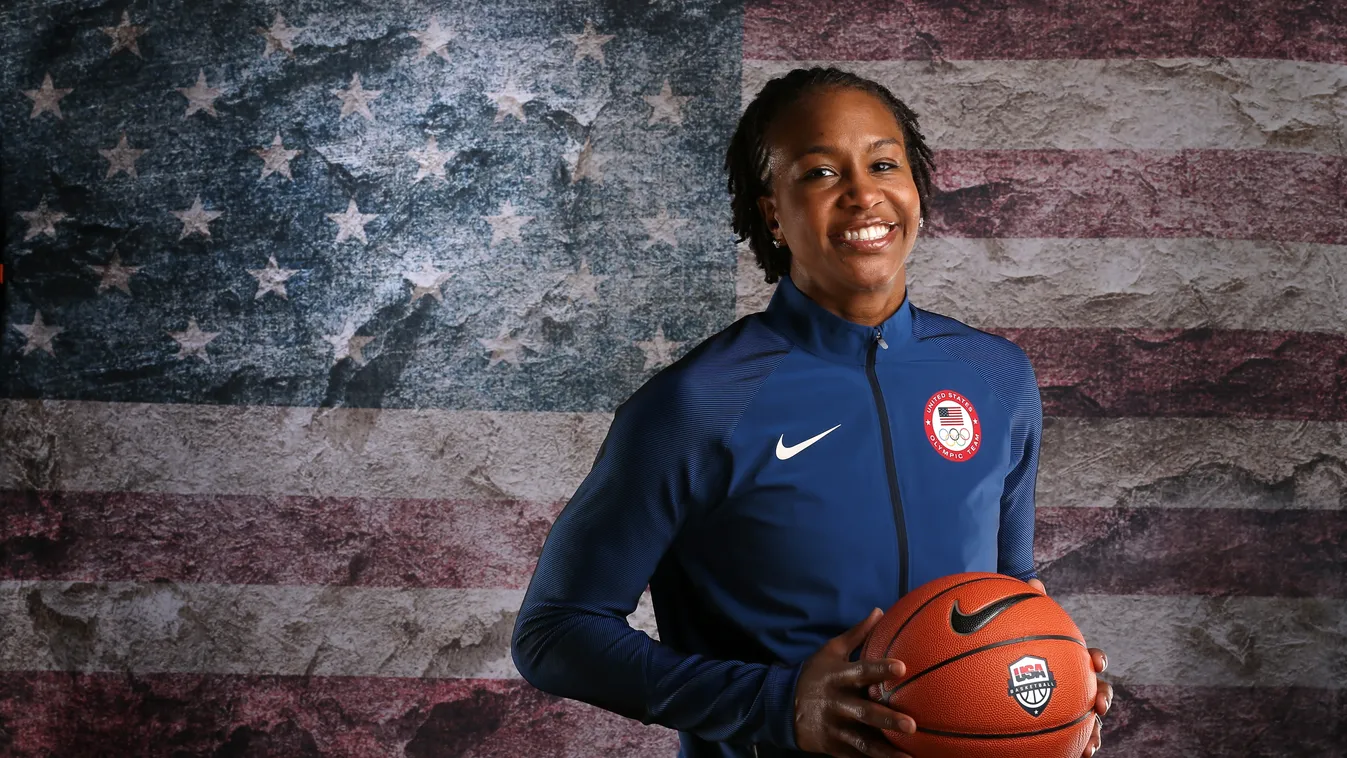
x=798, y=469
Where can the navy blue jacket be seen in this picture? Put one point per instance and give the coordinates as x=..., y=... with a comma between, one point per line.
x=783, y=478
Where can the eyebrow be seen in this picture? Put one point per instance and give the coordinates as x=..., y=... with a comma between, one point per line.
x=826, y=150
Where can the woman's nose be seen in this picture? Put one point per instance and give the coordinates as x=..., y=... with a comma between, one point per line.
x=863, y=191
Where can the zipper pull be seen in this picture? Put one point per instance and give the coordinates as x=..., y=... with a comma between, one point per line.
x=879, y=337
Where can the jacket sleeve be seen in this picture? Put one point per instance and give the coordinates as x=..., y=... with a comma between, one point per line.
x=1015, y=554
x=661, y=461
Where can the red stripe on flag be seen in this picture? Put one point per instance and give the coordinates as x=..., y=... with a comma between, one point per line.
x=177, y=714
x=1225, y=194
x=59, y=714
x=854, y=30
x=255, y=539
x=477, y=544
x=1192, y=551
x=1188, y=373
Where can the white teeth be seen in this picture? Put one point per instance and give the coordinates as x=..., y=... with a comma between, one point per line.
x=868, y=233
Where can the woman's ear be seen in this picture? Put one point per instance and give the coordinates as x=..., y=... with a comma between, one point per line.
x=767, y=206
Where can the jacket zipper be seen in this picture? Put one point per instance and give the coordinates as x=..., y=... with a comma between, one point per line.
x=889, y=462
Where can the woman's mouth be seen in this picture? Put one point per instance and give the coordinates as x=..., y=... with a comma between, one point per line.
x=869, y=239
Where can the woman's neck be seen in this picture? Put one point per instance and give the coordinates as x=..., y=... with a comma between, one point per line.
x=867, y=307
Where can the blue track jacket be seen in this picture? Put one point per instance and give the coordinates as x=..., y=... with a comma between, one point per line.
x=775, y=484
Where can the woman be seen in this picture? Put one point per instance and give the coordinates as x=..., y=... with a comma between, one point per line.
x=779, y=481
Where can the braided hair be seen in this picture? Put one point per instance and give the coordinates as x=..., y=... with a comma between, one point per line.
x=746, y=160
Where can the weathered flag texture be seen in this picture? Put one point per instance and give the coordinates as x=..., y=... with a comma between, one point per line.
x=316, y=313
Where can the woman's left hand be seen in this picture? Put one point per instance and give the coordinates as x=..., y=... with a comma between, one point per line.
x=1104, y=693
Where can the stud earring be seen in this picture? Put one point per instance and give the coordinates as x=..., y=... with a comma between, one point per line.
x=777, y=242
x=921, y=222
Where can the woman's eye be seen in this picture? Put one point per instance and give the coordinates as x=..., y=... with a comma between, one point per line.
x=816, y=172
x=889, y=164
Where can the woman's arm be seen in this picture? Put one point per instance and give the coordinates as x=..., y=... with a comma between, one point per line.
x=572, y=638
x=1015, y=549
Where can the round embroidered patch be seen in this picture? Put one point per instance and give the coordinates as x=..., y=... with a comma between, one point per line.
x=952, y=426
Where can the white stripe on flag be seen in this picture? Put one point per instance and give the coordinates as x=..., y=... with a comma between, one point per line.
x=1116, y=104
x=1131, y=283
x=342, y=631
x=540, y=456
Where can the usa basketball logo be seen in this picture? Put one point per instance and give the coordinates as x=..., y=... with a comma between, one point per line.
x=952, y=426
x=1031, y=684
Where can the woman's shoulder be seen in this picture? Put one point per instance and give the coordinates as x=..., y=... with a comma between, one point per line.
x=970, y=342
x=719, y=374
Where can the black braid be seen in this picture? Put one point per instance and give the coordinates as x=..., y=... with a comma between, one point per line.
x=746, y=160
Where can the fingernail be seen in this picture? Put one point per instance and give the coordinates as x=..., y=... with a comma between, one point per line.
x=909, y=726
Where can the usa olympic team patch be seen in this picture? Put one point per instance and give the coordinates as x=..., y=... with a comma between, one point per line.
x=952, y=426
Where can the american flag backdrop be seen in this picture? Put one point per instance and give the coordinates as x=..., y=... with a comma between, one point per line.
x=316, y=313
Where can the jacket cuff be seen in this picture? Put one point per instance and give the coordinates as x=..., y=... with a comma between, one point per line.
x=779, y=689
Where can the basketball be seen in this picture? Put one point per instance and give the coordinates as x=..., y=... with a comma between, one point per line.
x=994, y=667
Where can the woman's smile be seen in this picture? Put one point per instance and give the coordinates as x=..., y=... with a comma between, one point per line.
x=867, y=236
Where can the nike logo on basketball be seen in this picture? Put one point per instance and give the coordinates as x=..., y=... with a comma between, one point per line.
x=784, y=453
x=963, y=623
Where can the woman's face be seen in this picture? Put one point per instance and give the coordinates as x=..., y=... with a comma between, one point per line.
x=838, y=167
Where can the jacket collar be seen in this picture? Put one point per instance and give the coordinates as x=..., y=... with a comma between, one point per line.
x=829, y=336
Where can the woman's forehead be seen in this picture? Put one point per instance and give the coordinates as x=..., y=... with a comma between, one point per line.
x=834, y=120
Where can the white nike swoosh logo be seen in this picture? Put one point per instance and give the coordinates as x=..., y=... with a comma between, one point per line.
x=784, y=452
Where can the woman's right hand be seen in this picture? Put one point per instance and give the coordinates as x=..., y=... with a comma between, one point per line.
x=834, y=714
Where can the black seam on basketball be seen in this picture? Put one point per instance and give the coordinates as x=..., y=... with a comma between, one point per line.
x=968, y=736
x=889, y=697
x=889, y=648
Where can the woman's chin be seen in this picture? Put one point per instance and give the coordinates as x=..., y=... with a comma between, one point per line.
x=871, y=273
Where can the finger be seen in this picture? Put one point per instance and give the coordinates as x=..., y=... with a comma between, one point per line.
x=854, y=636
x=868, y=743
x=1103, y=699
x=1095, y=742
x=873, y=714
x=866, y=673
x=1099, y=659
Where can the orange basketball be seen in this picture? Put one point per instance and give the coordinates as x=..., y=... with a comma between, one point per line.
x=994, y=667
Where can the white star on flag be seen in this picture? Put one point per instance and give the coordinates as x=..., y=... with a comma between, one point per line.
x=199, y=96
x=658, y=350
x=589, y=44
x=276, y=159
x=196, y=218
x=510, y=101
x=193, y=341
x=121, y=158
x=41, y=220
x=662, y=228
x=585, y=111
x=666, y=106
x=507, y=224
x=507, y=347
x=430, y=160
x=39, y=334
x=351, y=222
x=124, y=35
x=46, y=98
x=585, y=163
x=115, y=274
x=583, y=286
x=433, y=40
x=427, y=281
x=279, y=38
x=271, y=279
x=347, y=344
x=356, y=99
